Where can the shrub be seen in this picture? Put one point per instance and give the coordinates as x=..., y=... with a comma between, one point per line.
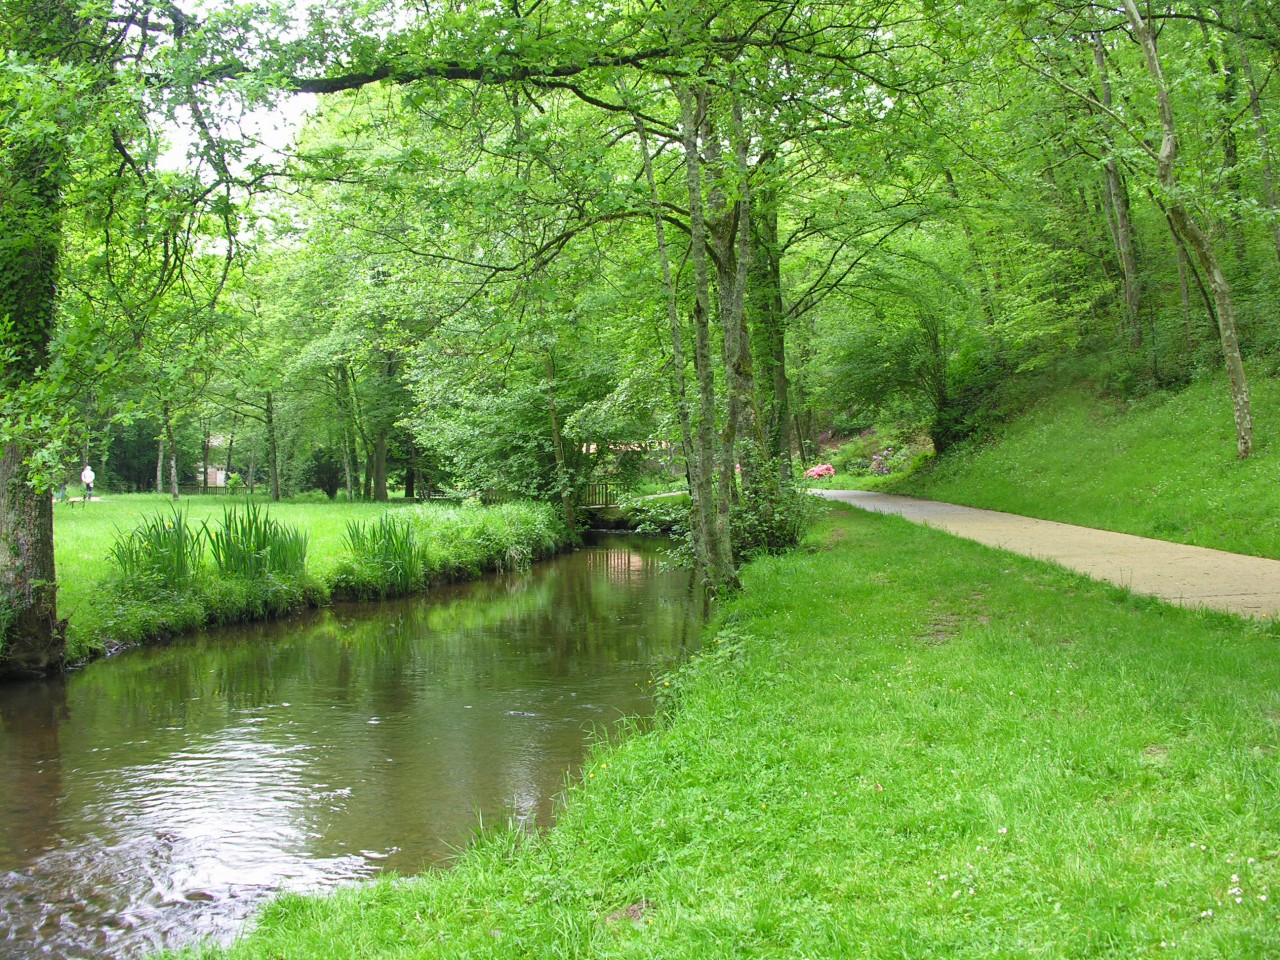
x=771, y=519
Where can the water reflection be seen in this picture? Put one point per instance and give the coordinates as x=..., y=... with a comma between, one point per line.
x=163, y=794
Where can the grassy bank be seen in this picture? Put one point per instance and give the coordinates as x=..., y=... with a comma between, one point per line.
x=1162, y=467
x=447, y=542
x=897, y=744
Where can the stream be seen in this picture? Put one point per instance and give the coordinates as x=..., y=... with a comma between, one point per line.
x=161, y=796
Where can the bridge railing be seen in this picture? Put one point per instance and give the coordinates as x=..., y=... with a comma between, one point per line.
x=600, y=495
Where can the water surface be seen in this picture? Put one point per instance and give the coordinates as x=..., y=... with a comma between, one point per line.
x=162, y=795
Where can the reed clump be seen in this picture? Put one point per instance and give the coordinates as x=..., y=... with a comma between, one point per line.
x=169, y=575
x=384, y=559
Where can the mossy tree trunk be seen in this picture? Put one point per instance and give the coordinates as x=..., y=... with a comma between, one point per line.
x=32, y=639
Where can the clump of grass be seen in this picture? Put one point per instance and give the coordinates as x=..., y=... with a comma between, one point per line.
x=466, y=540
x=253, y=546
x=384, y=559
x=160, y=554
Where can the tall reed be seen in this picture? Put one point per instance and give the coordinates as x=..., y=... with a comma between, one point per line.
x=384, y=559
x=160, y=553
x=251, y=545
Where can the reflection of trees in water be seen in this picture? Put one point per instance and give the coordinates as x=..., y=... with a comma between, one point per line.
x=31, y=716
x=535, y=655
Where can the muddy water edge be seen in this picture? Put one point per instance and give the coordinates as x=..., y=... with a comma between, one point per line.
x=163, y=795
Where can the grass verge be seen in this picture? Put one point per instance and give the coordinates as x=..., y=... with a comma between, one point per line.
x=896, y=744
x=1162, y=467
x=292, y=555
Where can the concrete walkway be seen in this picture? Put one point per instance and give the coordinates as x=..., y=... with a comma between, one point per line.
x=1188, y=576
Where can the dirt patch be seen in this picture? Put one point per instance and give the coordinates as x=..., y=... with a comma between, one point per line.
x=941, y=630
x=943, y=627
x=635, y=912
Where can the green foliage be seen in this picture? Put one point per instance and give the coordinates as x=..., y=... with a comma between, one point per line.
x=463, y=541
x=161, y=554
x=383, y=559
x=771, y=519
x=250, y=545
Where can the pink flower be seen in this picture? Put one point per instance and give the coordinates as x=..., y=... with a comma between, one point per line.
x=821, y=471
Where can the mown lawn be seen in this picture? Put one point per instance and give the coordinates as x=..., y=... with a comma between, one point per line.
x=896, y=744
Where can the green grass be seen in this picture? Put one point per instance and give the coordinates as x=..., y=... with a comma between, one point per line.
x=457, y=542
x=1163, y=467
x=895, y=744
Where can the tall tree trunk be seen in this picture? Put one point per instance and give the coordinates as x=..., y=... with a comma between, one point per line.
x=1119, y=218
x=160, y=463
x=37, y=163
x=173, y=451
x=719, y=553
x=769, y=335
x=348, y=439
x=1198, y=241
x=677, y=379
x=380, y=466
x=33, y=638
x=204, y=467
x=273, y=447
x=411, y=473
x=563, y=483
x=742, y=440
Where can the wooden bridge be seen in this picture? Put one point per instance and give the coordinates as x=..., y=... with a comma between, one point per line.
x=596, y=495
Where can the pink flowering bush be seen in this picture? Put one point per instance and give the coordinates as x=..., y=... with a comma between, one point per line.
x=820, y=472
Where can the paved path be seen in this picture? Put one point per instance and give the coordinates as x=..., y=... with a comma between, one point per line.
x=1188, y=576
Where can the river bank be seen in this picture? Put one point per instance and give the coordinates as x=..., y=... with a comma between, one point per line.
x=108, y=612
x=897, y=743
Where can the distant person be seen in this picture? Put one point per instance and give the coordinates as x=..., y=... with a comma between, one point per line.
x=62, y=492
x=87, y=478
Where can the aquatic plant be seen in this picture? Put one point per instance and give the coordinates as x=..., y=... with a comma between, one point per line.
x=252, y=546
x=384, y=559
x=160, y=553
